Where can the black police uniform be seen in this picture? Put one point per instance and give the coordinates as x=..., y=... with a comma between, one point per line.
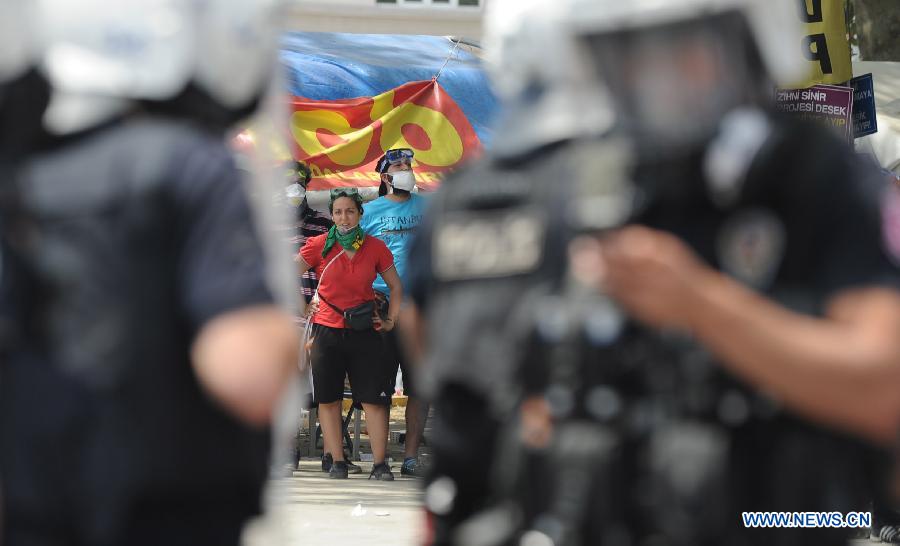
x=477, y=333
x=655, y=442
x=130, y=238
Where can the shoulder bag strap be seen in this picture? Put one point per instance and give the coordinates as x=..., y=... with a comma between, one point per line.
x=316, y=295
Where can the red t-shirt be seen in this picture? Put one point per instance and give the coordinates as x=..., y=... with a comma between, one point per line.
x=347, y=283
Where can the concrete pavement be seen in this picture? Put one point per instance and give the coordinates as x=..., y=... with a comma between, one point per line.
x=310, y=509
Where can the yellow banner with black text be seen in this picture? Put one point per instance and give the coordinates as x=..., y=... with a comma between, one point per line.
x=826, y=45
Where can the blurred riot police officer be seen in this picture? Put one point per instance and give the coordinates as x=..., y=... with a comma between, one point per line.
x=667, y=288
x=143, y=349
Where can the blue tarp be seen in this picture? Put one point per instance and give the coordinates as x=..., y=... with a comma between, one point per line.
x=330, y=66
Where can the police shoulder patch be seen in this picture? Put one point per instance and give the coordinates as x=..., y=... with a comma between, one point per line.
x=751, y=246
x=488, y=244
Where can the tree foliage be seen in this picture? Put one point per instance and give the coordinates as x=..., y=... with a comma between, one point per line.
x=876, y=26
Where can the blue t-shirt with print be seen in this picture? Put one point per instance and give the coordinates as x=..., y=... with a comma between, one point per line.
x=393, y=223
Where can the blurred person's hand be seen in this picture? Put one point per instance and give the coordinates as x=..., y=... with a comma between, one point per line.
x=654, y=275
x=536, y=422
x=245, y=358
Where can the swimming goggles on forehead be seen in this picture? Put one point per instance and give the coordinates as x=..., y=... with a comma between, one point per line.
x=398, y=155
x=352, y=193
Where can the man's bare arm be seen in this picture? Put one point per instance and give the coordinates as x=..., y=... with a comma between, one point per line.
x=392, y=279
x=842, y=369
x=244, y=359
x=302, y=266
x=413, y=329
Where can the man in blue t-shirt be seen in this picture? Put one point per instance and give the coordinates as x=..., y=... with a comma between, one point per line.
x=392, y=218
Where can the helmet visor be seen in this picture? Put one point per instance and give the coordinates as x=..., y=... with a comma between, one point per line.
x=672, y=83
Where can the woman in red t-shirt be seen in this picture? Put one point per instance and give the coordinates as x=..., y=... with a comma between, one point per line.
x=347, y=262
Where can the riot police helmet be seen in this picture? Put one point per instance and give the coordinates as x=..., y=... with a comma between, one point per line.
x=546, y=96
x=23, y=92
x=99, y=56
x=667, y=70
x=207, y=59
x=16, y=39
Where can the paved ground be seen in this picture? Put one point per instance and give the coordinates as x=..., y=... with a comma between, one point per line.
x=310, y=509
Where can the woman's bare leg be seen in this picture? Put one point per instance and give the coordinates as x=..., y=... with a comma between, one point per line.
x=332, y=426
x=377, y=424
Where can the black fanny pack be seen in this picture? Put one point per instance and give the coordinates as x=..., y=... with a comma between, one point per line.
x=355, y=318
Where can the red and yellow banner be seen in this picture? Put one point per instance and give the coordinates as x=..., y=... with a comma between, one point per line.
x=341, y=140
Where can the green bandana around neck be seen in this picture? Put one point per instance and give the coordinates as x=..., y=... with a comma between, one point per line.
x=350, y=241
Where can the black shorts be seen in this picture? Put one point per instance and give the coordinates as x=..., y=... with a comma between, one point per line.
x=394, y=357
x=338, y=353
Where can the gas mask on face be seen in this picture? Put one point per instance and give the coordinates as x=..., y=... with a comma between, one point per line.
x=295, y=199
x=295, y=194
x=403, y=180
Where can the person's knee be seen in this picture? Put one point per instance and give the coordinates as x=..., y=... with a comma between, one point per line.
x=329, y=406
x=374, y=409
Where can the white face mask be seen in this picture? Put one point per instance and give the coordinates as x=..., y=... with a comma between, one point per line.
x=344, y=230
x=295, y=194
x=403, y=180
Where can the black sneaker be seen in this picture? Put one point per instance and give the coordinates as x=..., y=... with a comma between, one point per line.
x=412, y=467
x=327, y=460
x=338, y=470
x=381, y=471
